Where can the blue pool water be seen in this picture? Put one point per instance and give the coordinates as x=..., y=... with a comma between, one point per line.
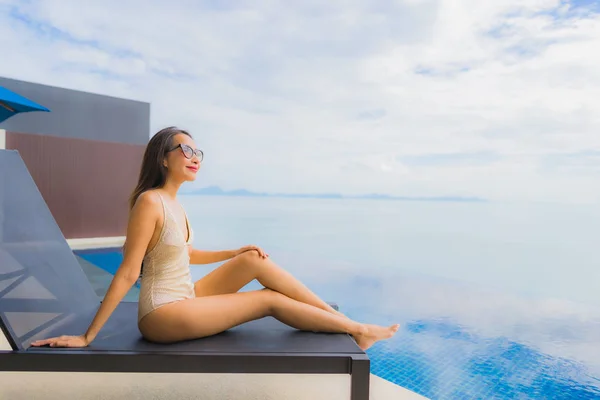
x=108, y=259
x=488, y=308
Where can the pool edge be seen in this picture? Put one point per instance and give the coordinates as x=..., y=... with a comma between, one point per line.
x=96, y=242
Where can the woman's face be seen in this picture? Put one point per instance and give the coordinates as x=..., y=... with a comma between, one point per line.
x=184, y=159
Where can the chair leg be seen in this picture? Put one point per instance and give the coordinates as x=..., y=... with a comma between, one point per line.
x=360, y=378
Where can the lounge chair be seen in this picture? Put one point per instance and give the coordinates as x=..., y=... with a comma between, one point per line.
x=44, y=292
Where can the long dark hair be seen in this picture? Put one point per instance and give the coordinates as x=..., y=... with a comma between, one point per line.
x=153, y=173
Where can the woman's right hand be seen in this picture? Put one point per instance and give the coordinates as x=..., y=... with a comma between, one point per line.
x=244, y=249
x=63, y=341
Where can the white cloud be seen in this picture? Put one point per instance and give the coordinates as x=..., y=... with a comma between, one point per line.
x=331, y=96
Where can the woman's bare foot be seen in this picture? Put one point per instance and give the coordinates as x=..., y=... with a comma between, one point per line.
x=375, y=333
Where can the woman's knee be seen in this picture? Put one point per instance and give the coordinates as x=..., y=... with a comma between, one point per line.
x=250, y=256
x=251, y=260
x=273, y=300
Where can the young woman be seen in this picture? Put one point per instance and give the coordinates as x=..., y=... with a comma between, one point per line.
x=173, y=308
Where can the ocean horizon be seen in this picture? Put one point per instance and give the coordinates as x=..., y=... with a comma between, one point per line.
x=529, y=249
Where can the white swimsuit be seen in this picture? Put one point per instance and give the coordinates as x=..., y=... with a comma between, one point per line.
x=166, y=276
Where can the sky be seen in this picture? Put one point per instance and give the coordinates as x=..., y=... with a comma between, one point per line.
x=494, y=99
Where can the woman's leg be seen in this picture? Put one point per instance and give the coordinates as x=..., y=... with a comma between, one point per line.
x=206, y=316
x=239, y=271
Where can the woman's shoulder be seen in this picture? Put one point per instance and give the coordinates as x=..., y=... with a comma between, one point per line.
x=150, y=195
x=148, y=201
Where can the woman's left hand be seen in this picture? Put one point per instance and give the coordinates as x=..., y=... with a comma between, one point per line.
x=244, y=249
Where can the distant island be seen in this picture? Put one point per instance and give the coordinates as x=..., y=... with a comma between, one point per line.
x=217, y=191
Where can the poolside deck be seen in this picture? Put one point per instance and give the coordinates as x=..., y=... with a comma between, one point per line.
x=25, y=386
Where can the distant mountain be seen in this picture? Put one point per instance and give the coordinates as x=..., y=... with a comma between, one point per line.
x=217, y=191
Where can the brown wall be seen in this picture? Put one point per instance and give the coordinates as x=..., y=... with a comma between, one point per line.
x=85, y=183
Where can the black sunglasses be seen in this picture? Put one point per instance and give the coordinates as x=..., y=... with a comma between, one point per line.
x=188, y=152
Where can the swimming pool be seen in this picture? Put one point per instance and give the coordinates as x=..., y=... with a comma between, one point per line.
x=456, y=341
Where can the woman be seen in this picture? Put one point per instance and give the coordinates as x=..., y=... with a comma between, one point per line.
x=171, y=307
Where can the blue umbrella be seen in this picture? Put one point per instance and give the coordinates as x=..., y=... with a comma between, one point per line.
x=12, y=103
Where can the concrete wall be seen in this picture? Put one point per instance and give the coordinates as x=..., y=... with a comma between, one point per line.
x=84, y=155
x=85, y=183
x=76, y=114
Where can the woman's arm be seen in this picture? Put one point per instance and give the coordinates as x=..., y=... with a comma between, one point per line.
x=141, y=226
x=209, y=257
